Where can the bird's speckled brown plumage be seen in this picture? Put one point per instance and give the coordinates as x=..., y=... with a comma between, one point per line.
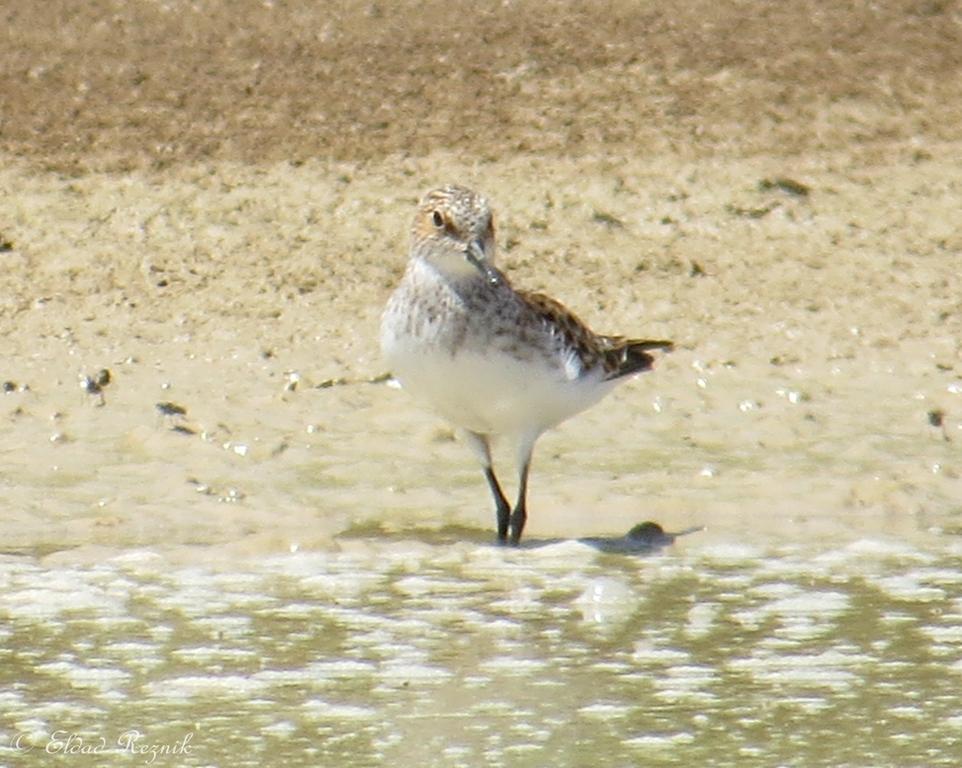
x=619, y=356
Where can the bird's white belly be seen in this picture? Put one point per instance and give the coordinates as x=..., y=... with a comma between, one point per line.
x=493, y=393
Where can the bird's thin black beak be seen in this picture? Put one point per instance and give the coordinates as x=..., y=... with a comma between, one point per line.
x=475, y=256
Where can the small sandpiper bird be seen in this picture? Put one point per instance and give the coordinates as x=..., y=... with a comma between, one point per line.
x=491, y=359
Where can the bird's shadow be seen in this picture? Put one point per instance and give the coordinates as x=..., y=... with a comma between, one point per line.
x=644, y=538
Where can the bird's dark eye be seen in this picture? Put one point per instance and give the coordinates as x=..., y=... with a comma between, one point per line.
x=438, y=219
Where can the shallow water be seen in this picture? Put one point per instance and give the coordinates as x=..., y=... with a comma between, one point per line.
x=438, y=652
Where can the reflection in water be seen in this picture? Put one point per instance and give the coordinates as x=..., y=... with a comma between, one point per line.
x=410, y=653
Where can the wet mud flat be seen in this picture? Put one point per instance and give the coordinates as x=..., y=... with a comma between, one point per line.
x=231, y=315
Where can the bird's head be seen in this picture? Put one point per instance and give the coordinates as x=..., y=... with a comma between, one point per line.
x=454, y=231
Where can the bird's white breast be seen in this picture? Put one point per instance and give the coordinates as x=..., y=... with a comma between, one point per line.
x=473, y=363
x=486, y=390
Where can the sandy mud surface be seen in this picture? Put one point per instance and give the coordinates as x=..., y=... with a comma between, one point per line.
x=211, y=202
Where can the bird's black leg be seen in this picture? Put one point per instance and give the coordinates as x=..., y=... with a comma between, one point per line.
x=482, y=448
x=520, y=514
x=502, y=508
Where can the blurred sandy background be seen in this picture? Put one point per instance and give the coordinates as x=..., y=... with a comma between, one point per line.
x=211, y=201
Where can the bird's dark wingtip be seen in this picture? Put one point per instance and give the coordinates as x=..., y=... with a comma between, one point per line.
x=632, y=356
x=663, y=344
